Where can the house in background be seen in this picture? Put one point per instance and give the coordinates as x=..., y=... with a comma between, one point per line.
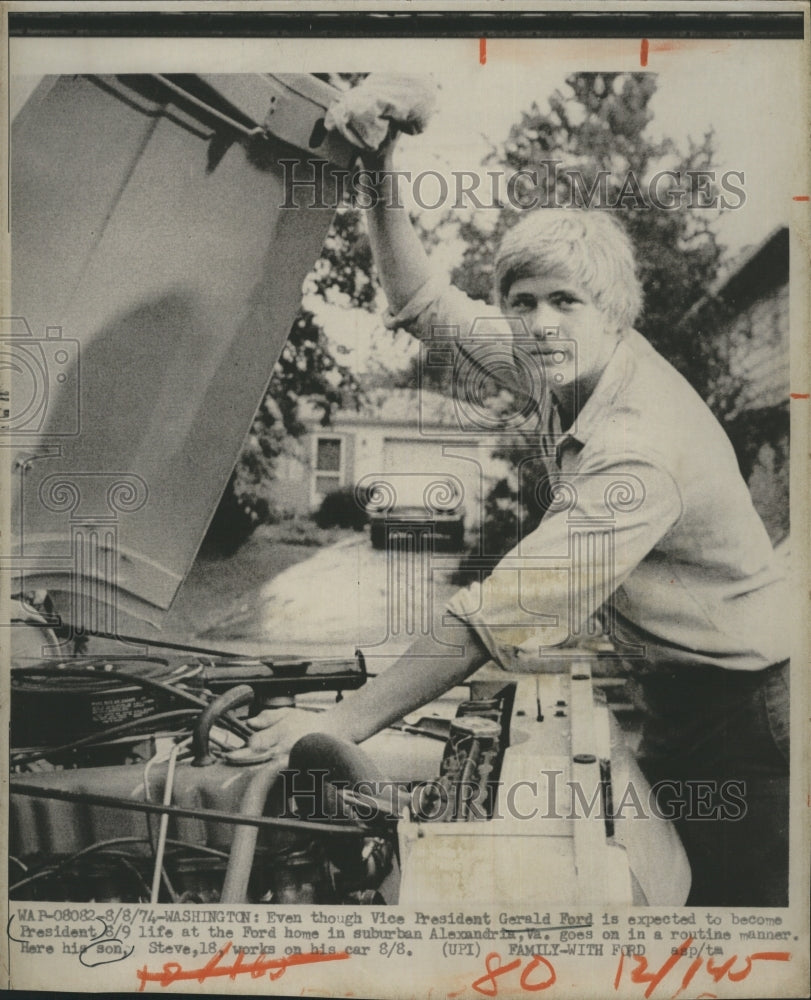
x=411, y=440
x=754, y=300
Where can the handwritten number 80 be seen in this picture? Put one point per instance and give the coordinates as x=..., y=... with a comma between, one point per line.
x=488, y=986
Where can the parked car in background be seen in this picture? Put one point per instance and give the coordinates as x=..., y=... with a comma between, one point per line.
x=423, y=504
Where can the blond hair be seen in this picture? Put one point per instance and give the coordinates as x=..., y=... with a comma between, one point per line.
x=586, y=246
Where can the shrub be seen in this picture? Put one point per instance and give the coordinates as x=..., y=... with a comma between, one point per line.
x=299, y=531
x=233, y=523
x=340, y=509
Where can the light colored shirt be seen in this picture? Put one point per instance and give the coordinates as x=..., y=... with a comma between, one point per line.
x=650, y=523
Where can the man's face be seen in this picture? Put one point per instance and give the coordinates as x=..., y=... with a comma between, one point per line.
x=572, y=337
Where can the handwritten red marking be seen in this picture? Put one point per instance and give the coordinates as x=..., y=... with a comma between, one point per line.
x=482, y=51
x=763, y=956
x=618, y=974
x=798, y=395
x=488, y=986
x=530, y=968
x=643, y=53
x=173, y=972
x=641, y=974
x=801, y=197
x=695, y=965
x=652, y=979
x=490, y=976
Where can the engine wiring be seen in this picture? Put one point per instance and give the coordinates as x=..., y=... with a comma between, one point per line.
x=108, y=846
x=174, y=691
x=160, y=872
x=102, y=736
x=164, y=827
x=98, y=846
x=126, y=863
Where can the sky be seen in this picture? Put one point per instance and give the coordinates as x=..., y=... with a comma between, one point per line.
x=739, y=95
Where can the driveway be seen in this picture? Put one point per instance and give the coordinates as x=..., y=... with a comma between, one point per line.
x=345, y=596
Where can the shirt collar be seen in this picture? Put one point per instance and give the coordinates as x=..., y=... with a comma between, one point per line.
x=595, y=410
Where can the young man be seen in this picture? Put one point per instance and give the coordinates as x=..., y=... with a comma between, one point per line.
x=685, y=577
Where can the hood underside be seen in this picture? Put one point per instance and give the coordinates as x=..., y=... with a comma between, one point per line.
x=155, y=276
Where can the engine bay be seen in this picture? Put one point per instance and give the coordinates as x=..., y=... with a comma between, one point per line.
x=130, y=782
x=98, y=744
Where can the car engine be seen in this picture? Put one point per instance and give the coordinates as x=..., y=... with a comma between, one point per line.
x=130, y=782
x=99, y=744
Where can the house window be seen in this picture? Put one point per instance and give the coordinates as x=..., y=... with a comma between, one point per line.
x=328, y=466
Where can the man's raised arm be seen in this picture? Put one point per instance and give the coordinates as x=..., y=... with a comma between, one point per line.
x=401, y=260
x=371, y=116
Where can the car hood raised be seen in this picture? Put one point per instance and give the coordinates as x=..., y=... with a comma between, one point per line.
x=155, y=276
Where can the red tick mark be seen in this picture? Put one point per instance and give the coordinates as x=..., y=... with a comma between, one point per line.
x=482, y=51
x=798, y=395
x=643, y=53
x=801, y=197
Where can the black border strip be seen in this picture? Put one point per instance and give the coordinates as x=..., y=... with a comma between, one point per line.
x=409, y=24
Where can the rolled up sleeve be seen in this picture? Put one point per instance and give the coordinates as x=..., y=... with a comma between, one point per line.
x=479, y=335
x=602, y=521
x=439, y=306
